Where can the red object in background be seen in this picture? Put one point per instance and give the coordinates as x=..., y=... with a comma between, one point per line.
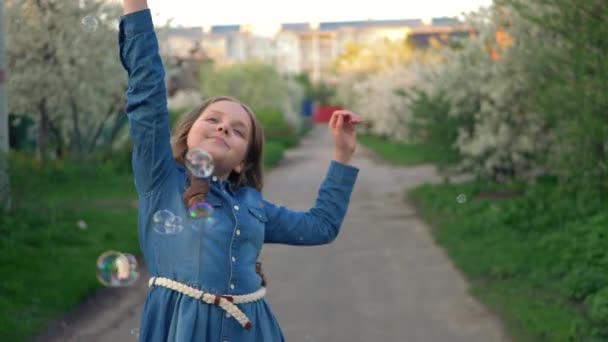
x=323, y=113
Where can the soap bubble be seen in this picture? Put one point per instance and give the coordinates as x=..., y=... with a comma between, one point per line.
x=165, y=222
x=89, y=23
x=116, y=269
x=199, y=162
x=202, y=215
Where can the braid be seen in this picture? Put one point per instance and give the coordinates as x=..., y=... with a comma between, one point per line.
x=196, y=192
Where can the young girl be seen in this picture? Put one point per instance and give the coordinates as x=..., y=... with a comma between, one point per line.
x=206, y=285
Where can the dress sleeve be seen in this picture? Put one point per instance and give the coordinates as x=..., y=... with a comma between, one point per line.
x=321, y=224
x=146, y=101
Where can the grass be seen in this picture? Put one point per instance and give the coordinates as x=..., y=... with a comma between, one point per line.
x=537, y=258
x=399, y=153
x=48, y=263
x=537, y=254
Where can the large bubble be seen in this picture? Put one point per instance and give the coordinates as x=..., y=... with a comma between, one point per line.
x=202, y=215
x=117, y=269
x=199, y=162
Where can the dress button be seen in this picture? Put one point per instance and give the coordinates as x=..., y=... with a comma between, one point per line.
x=236, y=207
x=238, y=232
x=233, y=259
x=232, y=286
x=214, y=179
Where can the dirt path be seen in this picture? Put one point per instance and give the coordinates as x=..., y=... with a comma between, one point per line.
x=383, y=279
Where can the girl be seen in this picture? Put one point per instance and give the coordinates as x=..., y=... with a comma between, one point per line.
x=206, y=285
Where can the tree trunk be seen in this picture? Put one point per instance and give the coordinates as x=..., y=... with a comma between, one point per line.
x=5, y=193
x=58, y=138
x=113, y=110
x=76, y=144
x=43, y=132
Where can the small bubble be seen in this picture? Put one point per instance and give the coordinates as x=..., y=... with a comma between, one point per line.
x=461, y=199
x=89, y=23
x=135, y=332
x=115, y=269
x=199, y=162
x=82, y=224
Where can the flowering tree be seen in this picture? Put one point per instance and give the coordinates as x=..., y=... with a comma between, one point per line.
x=489, y=83
x=370, y=77
x=571, y=75
x=65, y=72
x=377, y=97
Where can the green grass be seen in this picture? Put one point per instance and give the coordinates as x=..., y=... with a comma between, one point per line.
x=399, y=153
x=537, y=258
x=48, y=263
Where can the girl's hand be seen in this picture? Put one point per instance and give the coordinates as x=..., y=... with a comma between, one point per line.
x=131, y=6
x=342, y=126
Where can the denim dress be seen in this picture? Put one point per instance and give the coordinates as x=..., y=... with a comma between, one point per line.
x=218, y=258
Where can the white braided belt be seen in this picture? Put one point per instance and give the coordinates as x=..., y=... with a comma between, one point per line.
x=225, y=302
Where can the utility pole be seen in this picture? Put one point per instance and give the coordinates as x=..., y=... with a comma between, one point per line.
x=5, y=193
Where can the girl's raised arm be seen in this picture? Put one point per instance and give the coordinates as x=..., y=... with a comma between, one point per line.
x=146, y=98
x=130, y=6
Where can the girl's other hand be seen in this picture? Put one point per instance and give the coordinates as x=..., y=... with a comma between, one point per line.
x=342, y=126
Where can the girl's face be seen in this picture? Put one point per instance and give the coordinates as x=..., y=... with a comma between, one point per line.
x=223, y=130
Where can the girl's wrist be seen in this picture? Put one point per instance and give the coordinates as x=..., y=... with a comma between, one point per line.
x=132, y=6
x=341, y=157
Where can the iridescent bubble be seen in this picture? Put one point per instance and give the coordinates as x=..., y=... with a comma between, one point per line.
x=117, y=269
x=89, y=23
x=135, y=332
x=462, y=198
x=199, y=162
x=202, y=215
x=165, y=222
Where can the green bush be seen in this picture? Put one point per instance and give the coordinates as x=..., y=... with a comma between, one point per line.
x=276, y=129
x=258, y=85
x=273, y=152
x=433, y=125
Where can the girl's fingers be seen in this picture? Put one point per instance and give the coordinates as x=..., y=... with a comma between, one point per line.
x=350, y=115
x=332, y=120
x=340, y=122
x=344, y=117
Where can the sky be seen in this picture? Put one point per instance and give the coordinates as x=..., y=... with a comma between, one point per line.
x=274, y=12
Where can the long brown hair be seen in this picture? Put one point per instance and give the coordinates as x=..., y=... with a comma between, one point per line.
x=252, y=172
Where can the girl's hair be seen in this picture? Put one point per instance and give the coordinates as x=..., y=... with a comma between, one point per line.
x=250, y=175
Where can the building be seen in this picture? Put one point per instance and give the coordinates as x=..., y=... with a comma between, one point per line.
x=306, y=47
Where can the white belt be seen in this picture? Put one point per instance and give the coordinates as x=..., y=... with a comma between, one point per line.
x=225, y=302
